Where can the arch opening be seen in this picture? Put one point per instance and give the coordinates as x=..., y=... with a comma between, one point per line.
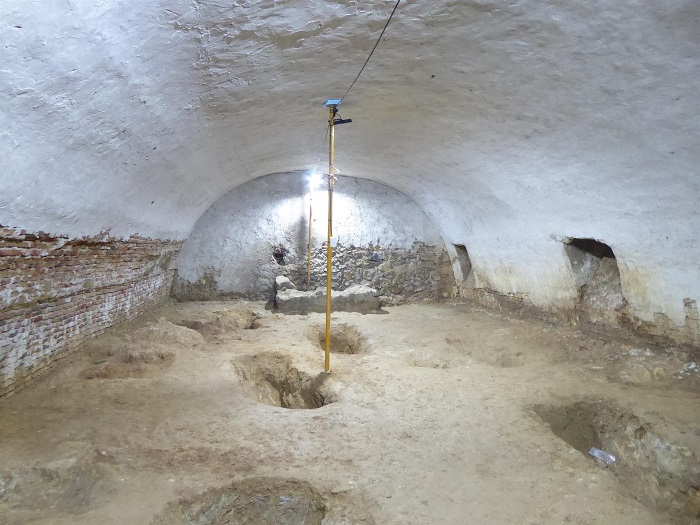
x=384, y=241
x=463, y=260
x=597, y=278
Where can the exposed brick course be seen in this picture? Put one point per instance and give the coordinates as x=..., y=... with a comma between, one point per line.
x=56, y=292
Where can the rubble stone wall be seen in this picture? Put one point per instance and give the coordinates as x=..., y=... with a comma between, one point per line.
x=261, y=230
x=421, y=272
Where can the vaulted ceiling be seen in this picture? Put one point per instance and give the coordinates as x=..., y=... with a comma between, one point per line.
x=511, y=123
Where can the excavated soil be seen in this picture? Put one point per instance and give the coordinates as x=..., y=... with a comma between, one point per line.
x=268, y=501
x=67, y=486
x=446, y=415
x=255, y=501
x=125, y=363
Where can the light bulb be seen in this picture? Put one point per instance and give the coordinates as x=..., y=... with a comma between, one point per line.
x=315, y=180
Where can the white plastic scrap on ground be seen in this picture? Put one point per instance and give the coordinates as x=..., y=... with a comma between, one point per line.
x=689, y=368
x=604, y=458
x=637, y=352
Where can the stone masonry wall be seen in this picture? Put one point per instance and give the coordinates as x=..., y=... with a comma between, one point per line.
x=55, y=292
x=417, y=273
x=421, y=272
x=261, y=230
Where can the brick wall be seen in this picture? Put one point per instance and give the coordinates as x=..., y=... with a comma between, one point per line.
x=55, y=292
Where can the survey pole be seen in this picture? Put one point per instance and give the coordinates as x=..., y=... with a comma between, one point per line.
x=332, y=105
x=329, y=248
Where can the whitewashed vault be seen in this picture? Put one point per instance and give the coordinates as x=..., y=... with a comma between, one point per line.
x=512, y=124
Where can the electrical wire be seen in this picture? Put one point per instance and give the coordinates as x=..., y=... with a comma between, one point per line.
x=325, y=138
x=323, y=147
x=372, y=52
x=331, y=178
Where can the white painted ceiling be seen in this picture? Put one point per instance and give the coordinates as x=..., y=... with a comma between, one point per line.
x=511, y=123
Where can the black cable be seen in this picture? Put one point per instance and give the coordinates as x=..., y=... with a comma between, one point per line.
x=375, y=47
x=325, y=138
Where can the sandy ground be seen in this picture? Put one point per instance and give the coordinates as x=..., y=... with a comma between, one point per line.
x=443, y=414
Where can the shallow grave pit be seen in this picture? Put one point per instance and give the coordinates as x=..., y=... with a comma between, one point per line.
x=251, y=502
x=214, y=324
x=122, y=363
x=270, y=378
x=64, y=487
x=345, y=339
x=654, y=456
x=576, y=424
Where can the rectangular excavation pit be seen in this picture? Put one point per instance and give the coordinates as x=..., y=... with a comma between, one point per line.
x=655, y=458
x=271, y=379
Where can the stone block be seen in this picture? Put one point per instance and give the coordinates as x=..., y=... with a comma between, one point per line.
x=356, y=298
x=283, y=283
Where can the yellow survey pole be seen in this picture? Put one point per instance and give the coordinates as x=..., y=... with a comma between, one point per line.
x=329, y=248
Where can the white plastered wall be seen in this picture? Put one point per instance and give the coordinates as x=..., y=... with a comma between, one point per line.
x=233, y=241
x=511, y=124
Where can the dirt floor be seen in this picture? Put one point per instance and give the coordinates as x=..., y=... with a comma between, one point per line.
x=217, y=413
